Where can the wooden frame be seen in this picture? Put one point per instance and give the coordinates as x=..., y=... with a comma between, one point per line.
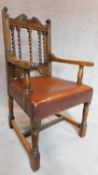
x=22, y=136
x=19, y=67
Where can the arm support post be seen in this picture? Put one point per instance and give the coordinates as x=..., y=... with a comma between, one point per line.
x=80, y=74
x=26, y=82
x=81, y=65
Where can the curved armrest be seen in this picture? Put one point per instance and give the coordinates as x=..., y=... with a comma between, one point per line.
x=81, y=64
x=19, y=63
x=23, y=64
x=68, y=61
x=26, y=65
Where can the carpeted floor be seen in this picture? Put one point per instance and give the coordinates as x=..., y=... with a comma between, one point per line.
x=62, y=151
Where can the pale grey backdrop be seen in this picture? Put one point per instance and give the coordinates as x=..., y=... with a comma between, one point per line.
x=74, y=35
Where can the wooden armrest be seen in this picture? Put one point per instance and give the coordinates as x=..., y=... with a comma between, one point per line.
x=23, y=64
x=68, y=61
x=26, y=65
x=19, y=63
x=81, y=65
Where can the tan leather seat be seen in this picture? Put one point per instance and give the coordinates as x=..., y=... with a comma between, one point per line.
x=49, y=95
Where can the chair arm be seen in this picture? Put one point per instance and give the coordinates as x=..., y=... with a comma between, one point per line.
x=68, y=61
x=25, y=65
x=81, y=65
x=19, y=63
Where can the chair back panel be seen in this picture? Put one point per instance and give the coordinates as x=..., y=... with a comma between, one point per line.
x=31, y=36
x=27, y=39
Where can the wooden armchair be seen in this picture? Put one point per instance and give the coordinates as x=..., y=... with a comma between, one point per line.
x=43, y=95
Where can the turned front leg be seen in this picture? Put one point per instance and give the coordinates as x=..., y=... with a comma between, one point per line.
x=83, y=126
x=11, y=115
x=35, y=155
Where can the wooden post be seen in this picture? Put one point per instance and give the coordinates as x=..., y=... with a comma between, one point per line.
x=35, y=155
x=26, y=82
x=11, y=115
x=30, y=44
x=19, y=42
x=83, y=126
x=80, y=74
x=39, y=47
x=48, y=43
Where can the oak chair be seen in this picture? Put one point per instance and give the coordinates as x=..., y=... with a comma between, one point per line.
x=43, y=95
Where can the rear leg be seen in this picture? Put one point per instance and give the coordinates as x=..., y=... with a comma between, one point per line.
x=11, y=115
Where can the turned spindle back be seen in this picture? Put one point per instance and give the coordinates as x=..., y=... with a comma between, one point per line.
x=28, y=39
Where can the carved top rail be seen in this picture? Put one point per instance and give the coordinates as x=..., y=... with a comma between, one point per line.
x=23, y=22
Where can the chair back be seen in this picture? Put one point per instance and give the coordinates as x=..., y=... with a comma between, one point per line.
x=27, y=39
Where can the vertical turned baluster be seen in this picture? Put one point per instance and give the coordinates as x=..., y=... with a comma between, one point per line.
x=83, y=126
x=19, y=43
x=80, y=74
x=26, y=82
x=11, y=113
x=44, y=46
x=35, y=155
x=13, y=41
x=39, y=47
x=30, y=44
